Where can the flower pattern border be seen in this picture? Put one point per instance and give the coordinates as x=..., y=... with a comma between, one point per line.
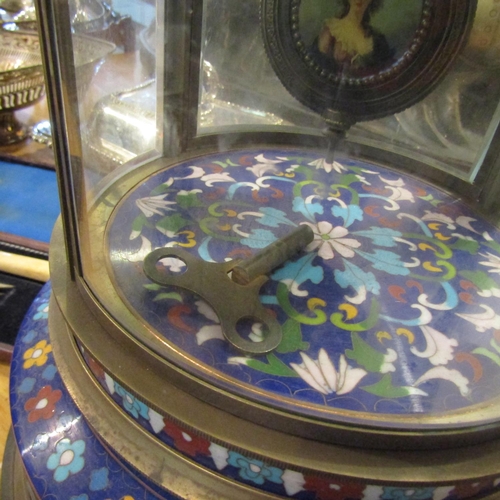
x=237, y=465
x=61, y=455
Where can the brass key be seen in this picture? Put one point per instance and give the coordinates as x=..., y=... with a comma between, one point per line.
x=232, y=288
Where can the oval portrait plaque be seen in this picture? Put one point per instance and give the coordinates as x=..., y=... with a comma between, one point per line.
x=363, y=58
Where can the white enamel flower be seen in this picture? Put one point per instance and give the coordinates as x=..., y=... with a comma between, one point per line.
x=293, y=482
x=437, y=217
x=399, y=193
x=219, y=455
x=465, y=221
x=443, y=373
x=264, y=165
x=388, y=364
x=184, y=192
x=329, y=239
x=156, y=421
x=154, y=205
x=483, y=321
x=322, y=375
x=209, y=332
x=362, y=178
x=439, y=348
x=493, y=262
x=322, y=164
x=492, y=292
x=110, y=383
x=210, y=179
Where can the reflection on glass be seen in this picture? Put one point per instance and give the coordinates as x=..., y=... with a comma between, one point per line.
x=21, y=82
x=454, y=125
x=446, y=130
x=123, y=126
x=108, y=53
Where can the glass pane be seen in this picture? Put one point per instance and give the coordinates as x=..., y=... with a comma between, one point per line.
x=453, y=127
x=114, y=53
x=448, y=130
x=239, y=88
x=115, y=72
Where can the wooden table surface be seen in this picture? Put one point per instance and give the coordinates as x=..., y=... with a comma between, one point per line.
x=30, y=151
x=4, y=406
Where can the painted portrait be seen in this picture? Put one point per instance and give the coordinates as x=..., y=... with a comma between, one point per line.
x=358, y=37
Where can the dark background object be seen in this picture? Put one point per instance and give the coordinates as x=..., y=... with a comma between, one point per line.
x=16, y=295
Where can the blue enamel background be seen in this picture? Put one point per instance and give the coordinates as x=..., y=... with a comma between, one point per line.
x=93, y=473
x=392, y=310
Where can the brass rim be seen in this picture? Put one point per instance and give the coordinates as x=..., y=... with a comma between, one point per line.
x=468, y=426
x=157, y=386
x=127, y=438
x=15, y=482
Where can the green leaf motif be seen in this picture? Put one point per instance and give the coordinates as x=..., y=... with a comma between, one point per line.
x=364, y=354
x=495, y=346
x=292, y=338
x=139, y=222
x=318, y=317
x=273, y=366
x=152, y=286
x=431, y=200
x=172, y=223
x=188, y=200
x=493, y=245
x=338, y=320
x=307, y=172
x=297, y=159
x=227, y=163
x=168, y=295
x=349, y=179
x=480, y=279
x=161, y=189
x=386, y=389
x=466, y=245
x=491, y=355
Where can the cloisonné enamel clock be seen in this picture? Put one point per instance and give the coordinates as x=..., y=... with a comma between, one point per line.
x=241, y=309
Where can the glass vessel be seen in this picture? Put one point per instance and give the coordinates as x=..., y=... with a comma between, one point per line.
x=280, y=228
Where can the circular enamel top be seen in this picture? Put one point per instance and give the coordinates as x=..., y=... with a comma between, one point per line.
x=61, y=455
x=390, y=313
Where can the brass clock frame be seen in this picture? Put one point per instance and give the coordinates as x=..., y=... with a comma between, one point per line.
x=85, y=217
x=106, y=300
x=157, y=383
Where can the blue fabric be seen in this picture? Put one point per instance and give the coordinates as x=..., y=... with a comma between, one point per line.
x=29, y=201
